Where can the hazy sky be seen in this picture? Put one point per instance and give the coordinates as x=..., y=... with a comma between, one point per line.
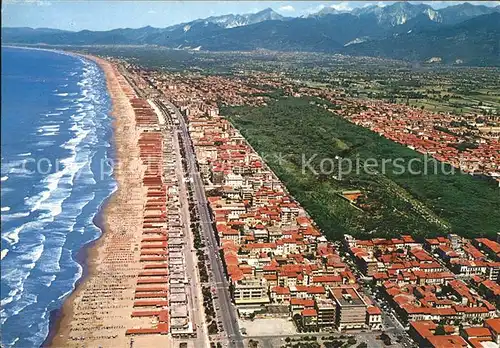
x=105, y=15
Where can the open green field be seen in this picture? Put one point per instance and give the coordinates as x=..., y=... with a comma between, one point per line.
x=295, y=135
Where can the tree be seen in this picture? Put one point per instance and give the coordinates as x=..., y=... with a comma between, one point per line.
x=212, y=328
x=253, y=344
x=440, y=330
x=362, y=345
x=384, y=336
x=351, y=341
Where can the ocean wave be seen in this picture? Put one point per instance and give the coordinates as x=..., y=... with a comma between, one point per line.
x=71, y=166
x=49, y=134
x=89, y=179
x=49, y=263
x=11, y=296
x=62, y=207
x=6, y=190
x=84, y=98
x=47, y=280
x=14, y=216
x=62, y=94
x=12, y=236
x=45, y=143
x=15, y=277
x=17, y=167
x=74, y=142
x=66, y=293
x=4, y=178
x=8, y=166
x=31, y=251
x=25, y=300
x=52, y=197
x=5, y=209
x=25, y=154
x=20, y=171
x=14, y=280
x=48, y=128
x=75, y=278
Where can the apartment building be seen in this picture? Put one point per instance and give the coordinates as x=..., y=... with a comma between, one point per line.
x=326, y=314
x=250, y=294
x=350, y=309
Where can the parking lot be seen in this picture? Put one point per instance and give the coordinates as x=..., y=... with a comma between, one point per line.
x=268, y=327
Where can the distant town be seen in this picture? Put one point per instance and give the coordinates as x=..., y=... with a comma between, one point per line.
x=469, y=142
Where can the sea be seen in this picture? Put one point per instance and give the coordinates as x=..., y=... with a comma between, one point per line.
x=56, y=173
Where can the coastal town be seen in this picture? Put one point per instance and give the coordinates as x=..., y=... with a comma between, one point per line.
x=279, y=174
x=468, y=142
x=207, y=248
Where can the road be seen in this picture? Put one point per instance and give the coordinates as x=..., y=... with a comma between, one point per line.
x=191, y=258
x=227, y=310
x=194, y=295
x=392, y=326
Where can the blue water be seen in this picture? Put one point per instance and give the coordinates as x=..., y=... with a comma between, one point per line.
x=55, y=144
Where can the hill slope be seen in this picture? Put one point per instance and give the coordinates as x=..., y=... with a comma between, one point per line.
x=401, y=31
x=474, y=42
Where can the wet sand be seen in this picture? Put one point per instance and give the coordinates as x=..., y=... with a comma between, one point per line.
x=97, y=313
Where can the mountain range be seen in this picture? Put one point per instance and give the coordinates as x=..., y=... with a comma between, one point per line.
x=465, y=33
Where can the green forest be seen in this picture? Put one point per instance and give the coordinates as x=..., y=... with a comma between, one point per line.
x=290, y=132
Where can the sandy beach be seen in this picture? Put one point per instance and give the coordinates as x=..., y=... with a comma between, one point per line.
x=98, y=312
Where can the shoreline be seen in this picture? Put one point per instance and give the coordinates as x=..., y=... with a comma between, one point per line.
x=82, y=257
x=86, y=255
x=95, y=256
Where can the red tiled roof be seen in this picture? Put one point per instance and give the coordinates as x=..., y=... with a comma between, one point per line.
x=309, y=312
x=281, y=290
x=477, y=332
x=494, y=324
x=447, y=341
x=491, y=244
x=315, y=290
x=373, y=310
x=302, y=302
x=327, y=279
